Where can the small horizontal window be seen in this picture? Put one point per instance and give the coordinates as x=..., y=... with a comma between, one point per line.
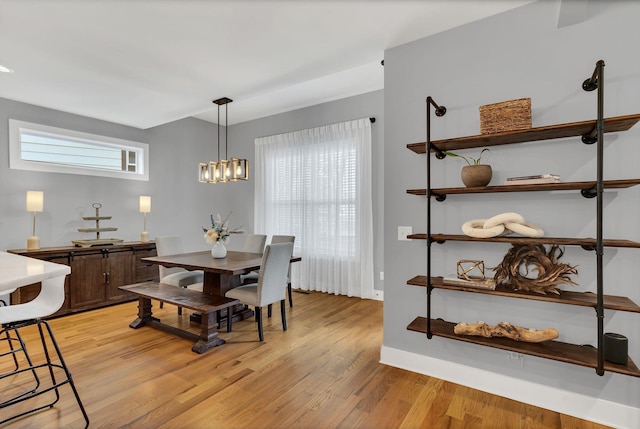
x=38, y=147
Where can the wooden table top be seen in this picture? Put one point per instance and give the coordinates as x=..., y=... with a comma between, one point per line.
x=235, y=263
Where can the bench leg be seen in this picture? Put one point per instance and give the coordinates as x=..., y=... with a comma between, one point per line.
x=208, y=334
x=144, y=314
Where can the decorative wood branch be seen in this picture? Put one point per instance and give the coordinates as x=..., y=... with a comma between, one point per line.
x=506, y=329
x=529, y=258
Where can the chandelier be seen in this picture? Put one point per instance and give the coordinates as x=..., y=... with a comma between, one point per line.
x=223, y=170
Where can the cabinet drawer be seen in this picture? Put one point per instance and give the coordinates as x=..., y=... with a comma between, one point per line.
x=146, y=272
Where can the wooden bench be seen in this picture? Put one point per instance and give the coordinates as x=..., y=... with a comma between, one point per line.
x=207, y=305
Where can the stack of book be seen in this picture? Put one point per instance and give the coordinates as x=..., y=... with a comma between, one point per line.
x=533, y=180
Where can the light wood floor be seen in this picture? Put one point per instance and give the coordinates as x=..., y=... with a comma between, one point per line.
x=322, y=373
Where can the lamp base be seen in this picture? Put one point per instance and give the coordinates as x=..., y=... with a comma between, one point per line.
x=33, y=243
x=144, y=236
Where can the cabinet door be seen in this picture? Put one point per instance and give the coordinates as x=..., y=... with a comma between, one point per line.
x=64, y=260
x=119, y=272
x=88, y=277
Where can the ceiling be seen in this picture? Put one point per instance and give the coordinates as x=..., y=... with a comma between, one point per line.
x=144, y=63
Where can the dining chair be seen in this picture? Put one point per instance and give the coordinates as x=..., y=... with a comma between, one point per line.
x=284, y=239
x=172, y=245
x=253, y=243
x=272, y=275
x=12, y=319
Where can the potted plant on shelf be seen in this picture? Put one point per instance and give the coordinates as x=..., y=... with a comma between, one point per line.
x=474, y=174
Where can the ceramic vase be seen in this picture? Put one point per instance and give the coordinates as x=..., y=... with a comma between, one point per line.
x=476, y=175
x=218, y=250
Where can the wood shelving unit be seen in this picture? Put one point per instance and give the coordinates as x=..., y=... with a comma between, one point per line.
x=586, y=186
x=591, y=132
x=588, y=243
x=584, y=299
x=555, y=350
x=573, y=129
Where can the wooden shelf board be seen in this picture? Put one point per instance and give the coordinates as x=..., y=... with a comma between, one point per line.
x=562, y=186
x=554, y=350
x=584, y=299
x=584, y=242
x=611, y=125
x=97, y=229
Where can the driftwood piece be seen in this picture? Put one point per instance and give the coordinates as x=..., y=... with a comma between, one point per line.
x=534, y=257
x=506, y=329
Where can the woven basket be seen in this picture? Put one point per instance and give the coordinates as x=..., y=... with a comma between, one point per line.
x=508, y=115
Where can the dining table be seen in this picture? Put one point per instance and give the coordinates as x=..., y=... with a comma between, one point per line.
x=220, y=274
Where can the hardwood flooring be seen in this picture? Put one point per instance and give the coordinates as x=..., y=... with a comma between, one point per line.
x=322, y=373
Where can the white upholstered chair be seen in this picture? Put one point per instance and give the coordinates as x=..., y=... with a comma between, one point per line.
x=269, y=288
x=284, y=239
x=172, y=245
x=254, y=243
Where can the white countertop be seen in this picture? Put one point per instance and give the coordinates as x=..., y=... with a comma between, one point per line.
x=17, y=271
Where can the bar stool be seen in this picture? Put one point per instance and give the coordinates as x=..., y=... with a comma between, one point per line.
x=13, y=350
x=15, y=317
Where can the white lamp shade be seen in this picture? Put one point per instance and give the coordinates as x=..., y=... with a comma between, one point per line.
x=145, y=204
x=35, y=201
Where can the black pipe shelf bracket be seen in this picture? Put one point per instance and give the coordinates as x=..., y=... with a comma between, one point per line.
x=596, y=81
x=439, y=111
x=439, y=197
x=591, y=192
x=590, y=137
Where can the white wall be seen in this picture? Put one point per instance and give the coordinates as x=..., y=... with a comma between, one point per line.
x=517, y=54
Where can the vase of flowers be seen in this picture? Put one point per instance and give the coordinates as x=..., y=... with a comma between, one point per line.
x=217, y=235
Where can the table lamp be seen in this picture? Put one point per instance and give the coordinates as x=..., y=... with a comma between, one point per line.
x=145, y=207
x=35, y=203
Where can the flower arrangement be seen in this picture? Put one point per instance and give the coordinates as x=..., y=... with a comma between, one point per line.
x=219, y=230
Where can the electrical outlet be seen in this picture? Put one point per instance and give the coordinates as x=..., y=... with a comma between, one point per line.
x=515, y=357
x=404, y=232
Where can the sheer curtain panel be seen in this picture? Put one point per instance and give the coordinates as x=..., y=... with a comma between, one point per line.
x=316, y=184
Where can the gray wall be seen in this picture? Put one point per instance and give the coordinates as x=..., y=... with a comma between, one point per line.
x=179, y=204
x=66, y=197
x=517, y=54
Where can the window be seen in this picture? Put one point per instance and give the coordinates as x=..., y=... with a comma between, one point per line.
x=38, y=147
x=315, y=184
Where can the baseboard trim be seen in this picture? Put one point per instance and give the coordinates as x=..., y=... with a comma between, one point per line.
x=551, y=398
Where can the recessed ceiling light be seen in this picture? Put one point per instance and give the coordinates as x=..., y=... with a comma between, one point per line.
x=4, y=69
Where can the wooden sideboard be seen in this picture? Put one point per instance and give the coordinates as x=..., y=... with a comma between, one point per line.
x=96, y=273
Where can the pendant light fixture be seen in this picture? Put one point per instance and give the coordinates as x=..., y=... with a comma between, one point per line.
x=223, y=170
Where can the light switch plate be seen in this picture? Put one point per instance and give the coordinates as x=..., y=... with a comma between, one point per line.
x=404, y=232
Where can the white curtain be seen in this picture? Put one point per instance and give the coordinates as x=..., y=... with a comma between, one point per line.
x=315, y=184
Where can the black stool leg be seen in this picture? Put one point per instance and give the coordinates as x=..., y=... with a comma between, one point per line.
x=50, y=365
x=13, y=352
x=64, y=366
